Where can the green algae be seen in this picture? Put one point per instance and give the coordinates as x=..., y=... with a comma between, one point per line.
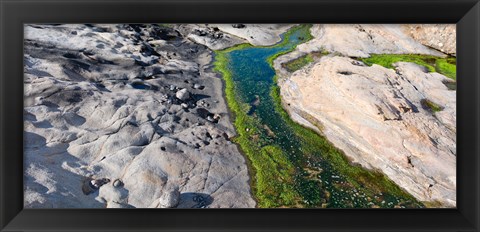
x=290, y=165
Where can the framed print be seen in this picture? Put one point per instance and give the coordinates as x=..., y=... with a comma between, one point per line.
x=261, y=116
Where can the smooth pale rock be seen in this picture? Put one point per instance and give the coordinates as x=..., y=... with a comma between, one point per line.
x=356, y=40
x=376, y=117
x=111, y=193
x=116, y=205
x=256, y=34
x=208, y=36
x=182, y=94
x=83, y=121
x=360, y=40
x=221, y=36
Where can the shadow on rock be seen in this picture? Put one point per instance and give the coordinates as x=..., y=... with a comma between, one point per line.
x=53, y=177
x=194, y=200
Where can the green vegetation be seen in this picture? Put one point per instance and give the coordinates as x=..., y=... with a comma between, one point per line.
x=272, y=173
x=433, y=204
x=451, y=85
x=356, y=175
x=431, y=106
x=306, y=38
x=444, y=66
x=281, y=180
x=300, y=62
x=447, y=67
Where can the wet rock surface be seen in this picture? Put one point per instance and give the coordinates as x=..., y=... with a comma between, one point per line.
x=108, y=101
x=379, y=116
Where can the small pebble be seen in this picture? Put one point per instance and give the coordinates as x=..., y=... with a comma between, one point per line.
x=210, y=118
x=117, y=183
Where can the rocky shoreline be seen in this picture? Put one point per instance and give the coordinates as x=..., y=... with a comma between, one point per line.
x=134, y=116
x=123, y=116
x=381, y=118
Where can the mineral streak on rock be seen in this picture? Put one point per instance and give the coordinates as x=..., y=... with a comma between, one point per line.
x=99, y=104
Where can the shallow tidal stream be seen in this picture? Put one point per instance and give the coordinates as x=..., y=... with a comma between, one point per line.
x=297, y=169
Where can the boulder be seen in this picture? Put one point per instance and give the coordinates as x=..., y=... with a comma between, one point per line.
x=170, y=198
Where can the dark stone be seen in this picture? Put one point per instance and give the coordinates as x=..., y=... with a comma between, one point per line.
x=117, y=183
x=70, y=56
x=347, y=73
x=239, y=26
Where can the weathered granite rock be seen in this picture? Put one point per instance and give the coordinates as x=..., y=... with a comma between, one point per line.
x=221, y=36
x=360, y=40
x=356, y=40
x=256, y=34
x=169, y=199
x=98, y=105
x=208, y=36
x=442, y=37
x=376, y=116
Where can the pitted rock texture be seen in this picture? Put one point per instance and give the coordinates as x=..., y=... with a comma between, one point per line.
x=103, y=101
x=221, y=36
x=442, y=37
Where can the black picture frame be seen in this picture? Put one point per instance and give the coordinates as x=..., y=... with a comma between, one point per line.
x=14, y=13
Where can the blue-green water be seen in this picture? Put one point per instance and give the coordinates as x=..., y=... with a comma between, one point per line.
x=316, y=181
x=253, y=77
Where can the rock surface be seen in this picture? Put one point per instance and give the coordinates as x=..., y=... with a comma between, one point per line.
x=360, y=40
x=209, y=36
x=356, y=40
x=98, y=104
x=375, y=115
x=221, y=36
x=256, y=34
x=442, y=37
x=169, y=199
